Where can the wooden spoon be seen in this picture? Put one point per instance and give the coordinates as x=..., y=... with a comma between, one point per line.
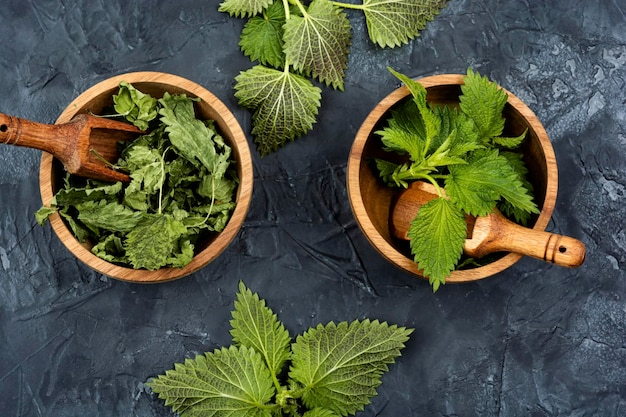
x=81, y=145
x=490, y=233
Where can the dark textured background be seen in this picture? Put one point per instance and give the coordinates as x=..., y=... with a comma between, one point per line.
x=536, y=340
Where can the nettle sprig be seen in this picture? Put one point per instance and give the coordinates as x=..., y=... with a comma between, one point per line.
x=328, y=371
x=293, y=41
x=463, y=153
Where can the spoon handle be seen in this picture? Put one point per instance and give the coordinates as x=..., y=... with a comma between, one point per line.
x=21, y=132
x=495, y=233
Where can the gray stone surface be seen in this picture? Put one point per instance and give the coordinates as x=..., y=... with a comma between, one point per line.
x=535, y=340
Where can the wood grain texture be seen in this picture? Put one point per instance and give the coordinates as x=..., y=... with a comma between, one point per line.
x=371, y=200
x=98, y=97
x=72, y=142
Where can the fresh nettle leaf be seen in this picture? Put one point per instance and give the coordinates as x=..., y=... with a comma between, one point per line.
x=393, y=23
x=437, y=235
x=262, y=37
x=339, y=366
x=308, y=39
x=317, y=42
x=483, y=102
x=285, y=105
x=510, y=210
x=480, y=184
x=462, y=152
x=229, y=381
x=256, y=326
x=242, y=8
x=333, y=370
x=511, y=142
x=182, y=188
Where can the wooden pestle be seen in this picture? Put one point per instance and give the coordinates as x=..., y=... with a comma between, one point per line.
x=490, y=233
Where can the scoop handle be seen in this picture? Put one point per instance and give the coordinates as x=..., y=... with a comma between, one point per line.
x=21, y=132
x=495, y=233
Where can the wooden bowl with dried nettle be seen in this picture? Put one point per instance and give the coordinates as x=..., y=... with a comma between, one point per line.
x=187, y=187
x=454, y=179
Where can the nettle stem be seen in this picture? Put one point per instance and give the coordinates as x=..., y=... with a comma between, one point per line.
x=286, y=7
x=287, y=401
x=296, y=3
x=162, y=180
x=348, y=5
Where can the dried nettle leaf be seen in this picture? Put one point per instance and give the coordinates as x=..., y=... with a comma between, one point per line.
x=181, y=188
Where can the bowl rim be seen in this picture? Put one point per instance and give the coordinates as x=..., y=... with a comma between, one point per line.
x=221, y=241
x=380, y=243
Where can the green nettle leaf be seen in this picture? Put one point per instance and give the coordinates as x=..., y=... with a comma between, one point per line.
x=340, y=366
x=108, y=216
x=510, y=142
x=430, y=120
x=415, y=87
x=459, y=147
x=403, y=141
x=242, y=8
x=387, y=170
x=190, y=136
x=437, y=235
x=81, y=233
x=71, y=196
x=517, y=163
x=478, y=185
x=319, y=412
x=285, y=105
x=392, y=23
x=44, y=213
x=137, y=156
x=226, y=382
x=110, y=249
x=152, y=241
x=254, y=325
x=312, y=39
x=138, y=108
x=483, y=101
x=182, y=188
x=262, y=37
x=318, y=42
x=149, y=178
x=407, y=117
x=221, y=189
x=335, y=369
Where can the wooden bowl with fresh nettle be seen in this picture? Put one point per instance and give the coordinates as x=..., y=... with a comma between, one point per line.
x=189, y=181
x=453, y=178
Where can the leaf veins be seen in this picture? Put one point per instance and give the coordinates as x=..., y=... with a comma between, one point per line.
x=318, y=42
x=285, y=105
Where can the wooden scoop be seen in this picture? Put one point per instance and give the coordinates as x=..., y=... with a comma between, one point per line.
x=490, y=233
x=81, y=145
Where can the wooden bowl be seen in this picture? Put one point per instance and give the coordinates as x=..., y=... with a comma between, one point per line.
x=371, y=199
x=97, y=98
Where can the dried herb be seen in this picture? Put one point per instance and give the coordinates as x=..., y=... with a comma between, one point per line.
x=182, y=187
